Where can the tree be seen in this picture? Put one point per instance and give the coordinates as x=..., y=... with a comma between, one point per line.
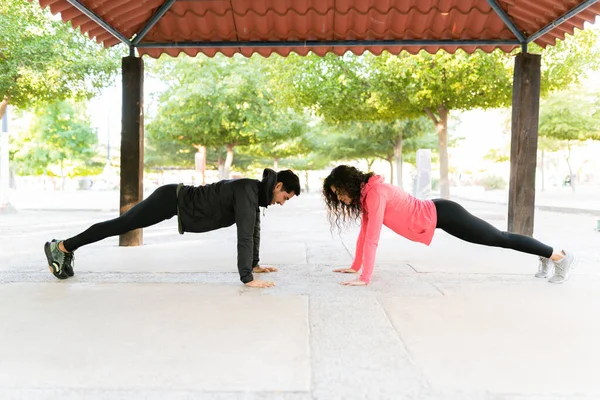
x=389, y=141
x=211, y=103
x=44, y=60
x=283, y=136
x=570, y=117
x=60, y=135
x=389, y=87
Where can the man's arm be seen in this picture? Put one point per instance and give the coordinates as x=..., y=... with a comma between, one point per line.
x=256, y=240
x=245, y=204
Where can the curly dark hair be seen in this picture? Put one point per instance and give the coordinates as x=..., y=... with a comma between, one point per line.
x=346, y=180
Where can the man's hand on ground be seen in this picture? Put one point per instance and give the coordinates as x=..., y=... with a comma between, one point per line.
x=263, y=269
x=345, y=270
x=257, y=283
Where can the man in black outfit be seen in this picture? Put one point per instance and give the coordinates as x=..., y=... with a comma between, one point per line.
x=198, y=209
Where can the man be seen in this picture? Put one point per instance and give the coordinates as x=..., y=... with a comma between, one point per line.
x=198, y=209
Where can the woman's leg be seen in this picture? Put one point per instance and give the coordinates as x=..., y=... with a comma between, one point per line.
x=458, y=222
x=160, y=205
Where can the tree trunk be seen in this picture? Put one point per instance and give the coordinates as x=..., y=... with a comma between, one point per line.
x=200, y=162
x=306, y=181
x=62, y=176
x=276, y=164
x=228, y=161
x=571, y=177
x=220, y=166
x=3, y=105
x=369, y=164
x=398, y=156
x=441, y=125
x=390, y=160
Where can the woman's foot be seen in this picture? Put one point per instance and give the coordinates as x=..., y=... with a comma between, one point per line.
x=544, y=268
x=562, y=267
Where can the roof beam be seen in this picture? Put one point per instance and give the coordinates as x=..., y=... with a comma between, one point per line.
x=91, y=15
x=506, y=19
x=332, y=43
x=568, y=15
x=153, y=20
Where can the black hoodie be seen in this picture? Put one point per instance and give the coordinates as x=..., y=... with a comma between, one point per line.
x=228, y=202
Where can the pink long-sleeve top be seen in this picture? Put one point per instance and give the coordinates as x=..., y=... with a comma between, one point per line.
x=385, y=204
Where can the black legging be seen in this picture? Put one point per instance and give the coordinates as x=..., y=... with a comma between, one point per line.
x=454, y=219
x=160, y=205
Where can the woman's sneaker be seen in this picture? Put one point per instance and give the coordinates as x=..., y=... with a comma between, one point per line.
x=56, y=259
x=544, y=268
x=563, y=268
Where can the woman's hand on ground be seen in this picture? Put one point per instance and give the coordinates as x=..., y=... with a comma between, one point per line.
x=345, y=270
x=356, y=282
x=257, y=283
x=263, y=269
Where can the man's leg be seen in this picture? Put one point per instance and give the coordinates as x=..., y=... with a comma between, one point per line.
x=159, y=206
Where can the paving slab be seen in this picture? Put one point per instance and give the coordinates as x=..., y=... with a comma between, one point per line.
x=528, y=340
x=150, y=336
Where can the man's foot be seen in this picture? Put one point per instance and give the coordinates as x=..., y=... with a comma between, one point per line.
x=544, y=268
x=562, y=268
x=69, y=261
x=56, y=259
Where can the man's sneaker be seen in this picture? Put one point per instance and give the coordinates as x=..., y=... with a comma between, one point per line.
x=56, y=259
x=69, y=262
x=544, y=268
x=563, y=268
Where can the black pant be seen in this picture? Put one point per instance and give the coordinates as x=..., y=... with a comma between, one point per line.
x=159, y=206
x=454, y=219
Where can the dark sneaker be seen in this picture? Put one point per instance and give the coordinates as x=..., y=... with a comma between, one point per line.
x=56, y=259
x=544, y=268
x=563, y=268
x=69, y=262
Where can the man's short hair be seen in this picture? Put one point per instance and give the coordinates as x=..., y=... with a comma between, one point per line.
x=290, y=181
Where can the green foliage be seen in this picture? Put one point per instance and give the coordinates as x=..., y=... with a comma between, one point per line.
x=570, y=116
x=368, y=140
x=408, y=84
x=213, y=103
x=569, y=60
x=60, y=136
x=498, y=155
x=43, y=59
x=286, y=135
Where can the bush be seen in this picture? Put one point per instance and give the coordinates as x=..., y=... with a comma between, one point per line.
x=492, y=182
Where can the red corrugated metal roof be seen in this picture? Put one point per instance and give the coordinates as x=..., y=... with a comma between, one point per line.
x=321, y=20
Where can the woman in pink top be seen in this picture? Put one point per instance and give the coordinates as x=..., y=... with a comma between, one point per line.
x=351, y=194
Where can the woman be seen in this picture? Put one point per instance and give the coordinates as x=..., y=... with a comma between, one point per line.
x=350, y=194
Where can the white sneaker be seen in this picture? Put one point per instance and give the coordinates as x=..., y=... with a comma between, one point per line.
x=544, y=268
x=562, y=268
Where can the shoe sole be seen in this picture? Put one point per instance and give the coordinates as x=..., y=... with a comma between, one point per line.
x=52, y=266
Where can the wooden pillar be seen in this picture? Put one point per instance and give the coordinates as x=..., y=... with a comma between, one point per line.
x=523, y=147
x=132, y=142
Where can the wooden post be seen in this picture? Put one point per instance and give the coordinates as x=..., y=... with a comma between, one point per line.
x=132, y=143
x=523, y=147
